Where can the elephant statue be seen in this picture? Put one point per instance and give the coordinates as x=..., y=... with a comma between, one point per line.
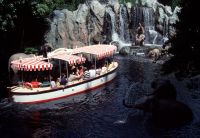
x=163, y=106
x=170, y=112
x=12, y=58
x=163, y=89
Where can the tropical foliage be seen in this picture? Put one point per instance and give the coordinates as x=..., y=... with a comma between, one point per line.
x=175, y=3
x=13, y=11
x=172, y=3
x=26, y=21
x=30, y=50
x=186, y=44
x=125, y=1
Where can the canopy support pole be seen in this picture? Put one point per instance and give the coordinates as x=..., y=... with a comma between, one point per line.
x=67, y=69
x=95, y=65
x=22, y=77
x=49, y=74
x=49, y=77
x=60, y=68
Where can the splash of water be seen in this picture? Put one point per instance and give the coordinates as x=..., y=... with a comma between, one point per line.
x=154, y=34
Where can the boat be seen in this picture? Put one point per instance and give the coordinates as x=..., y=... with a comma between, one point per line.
x=21, y=94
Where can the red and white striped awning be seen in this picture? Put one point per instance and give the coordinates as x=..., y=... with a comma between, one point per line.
x=100, y=50
x=66, y=56
x=31, y=64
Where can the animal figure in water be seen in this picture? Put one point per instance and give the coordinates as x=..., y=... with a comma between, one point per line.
x=154, y=53
x=166, y=110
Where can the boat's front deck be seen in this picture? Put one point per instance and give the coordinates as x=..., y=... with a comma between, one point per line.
x=23, y=89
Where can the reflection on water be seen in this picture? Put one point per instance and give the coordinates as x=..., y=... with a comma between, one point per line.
x=99, y=113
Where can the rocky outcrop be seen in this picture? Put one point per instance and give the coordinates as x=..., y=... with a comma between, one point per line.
x=102, y=21
x=76, y=28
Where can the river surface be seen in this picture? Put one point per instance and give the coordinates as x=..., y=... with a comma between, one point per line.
x=96, y=114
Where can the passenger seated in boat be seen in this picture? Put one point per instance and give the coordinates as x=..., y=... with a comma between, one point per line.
x=45, y=83
x=75, y=75
x=110, y=66
x=81, y=71
x=86, y=74
x=36, y=84
x=104, y=69
x=72, y=77
x=53, y=84
x=92, y=72
x=58, y=82
x=63, y=80
x=76, y=71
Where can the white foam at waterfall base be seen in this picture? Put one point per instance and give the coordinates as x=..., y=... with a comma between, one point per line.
x=116, y=38
x=155, y=35
x=153, y=45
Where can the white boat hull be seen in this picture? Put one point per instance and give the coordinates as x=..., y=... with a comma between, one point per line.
x=55, y=94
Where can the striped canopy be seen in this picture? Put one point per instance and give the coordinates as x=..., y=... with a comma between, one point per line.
x=100, y=50
x=31, y=64
x=38, y=63
x=64, y=54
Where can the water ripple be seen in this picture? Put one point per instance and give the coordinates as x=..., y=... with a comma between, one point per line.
x=100, y=113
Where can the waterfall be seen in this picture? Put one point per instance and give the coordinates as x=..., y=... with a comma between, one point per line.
x=115, y=36
x=166, y=26
x=112, y=21
x=119, y=30
x=145, y=16
x=153, y=35
x=149, y=24
x=124, y=24
x=149, y=18
x=136, y=18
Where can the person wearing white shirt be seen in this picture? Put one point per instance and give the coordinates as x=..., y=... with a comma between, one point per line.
x=53, y=84
x=92, y=73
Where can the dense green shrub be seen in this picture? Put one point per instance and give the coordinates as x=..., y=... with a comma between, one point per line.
x=30, y=50
x=125, y=1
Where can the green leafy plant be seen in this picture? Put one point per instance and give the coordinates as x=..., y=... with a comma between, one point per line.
x=30, y=50
x=175, y=3
x=125, y=1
